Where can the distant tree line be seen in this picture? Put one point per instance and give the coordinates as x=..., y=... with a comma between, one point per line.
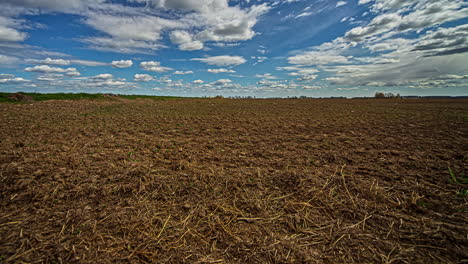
x=241, y=97
x=380, y=95
x=288, y=97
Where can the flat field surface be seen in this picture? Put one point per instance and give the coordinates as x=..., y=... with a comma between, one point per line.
x=234, y=181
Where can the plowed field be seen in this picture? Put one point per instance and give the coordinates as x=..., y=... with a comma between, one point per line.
x=234, y=181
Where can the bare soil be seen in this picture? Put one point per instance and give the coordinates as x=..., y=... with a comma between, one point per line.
x=234, y=181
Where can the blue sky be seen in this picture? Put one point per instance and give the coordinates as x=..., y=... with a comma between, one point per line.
x=256, y=48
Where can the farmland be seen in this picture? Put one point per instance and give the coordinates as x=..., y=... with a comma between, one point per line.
x=234, y=181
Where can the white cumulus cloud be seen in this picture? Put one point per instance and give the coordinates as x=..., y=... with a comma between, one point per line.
x=122, y=64
x=222, y=60
x=185, y=40
x=183, y=72
x=10, y=78
x=8, y=60
x=341, y=3
x=8, y=31
x=153, y=66
x=49, y=61
x=198, y=82
x=142, y=77
x=62, y=62
x=317, y=58
x=54, y=5
x=104, y=76
x=48, y=69
x=266, y=76
x=222, y=82
x=220, y=70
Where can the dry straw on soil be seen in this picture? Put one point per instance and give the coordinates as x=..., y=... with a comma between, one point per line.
x=233, y=181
